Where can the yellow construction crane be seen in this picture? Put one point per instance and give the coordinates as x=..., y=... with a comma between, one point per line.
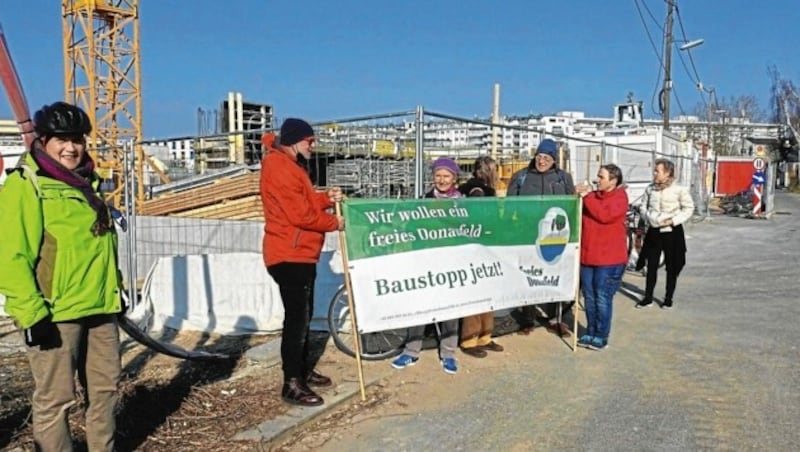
x=101, y=74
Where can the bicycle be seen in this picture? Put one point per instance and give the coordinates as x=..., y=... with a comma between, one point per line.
x=738, y=204
x=637, y=229
x=374, y=346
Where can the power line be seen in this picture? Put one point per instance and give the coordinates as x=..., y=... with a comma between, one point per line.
x=678, y=101
x=656, y=51
x=697, y=82
x=661, y=60
x=658, y=24
x=647, y=31
x=688, y=51
x=696, y=78
x=655, y=92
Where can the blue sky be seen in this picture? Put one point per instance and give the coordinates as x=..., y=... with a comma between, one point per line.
x=335, y=59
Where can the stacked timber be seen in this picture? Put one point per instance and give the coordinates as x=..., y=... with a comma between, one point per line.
x=233, y=198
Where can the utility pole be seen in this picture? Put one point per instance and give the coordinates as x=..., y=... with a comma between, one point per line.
x=667, y=63
x=723, y=141
x=495, y=119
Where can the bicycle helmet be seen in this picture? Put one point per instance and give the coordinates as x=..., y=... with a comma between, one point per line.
x=61, y=118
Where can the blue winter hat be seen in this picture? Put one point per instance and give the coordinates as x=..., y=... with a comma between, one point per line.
x=549, y=147
x=446, y=163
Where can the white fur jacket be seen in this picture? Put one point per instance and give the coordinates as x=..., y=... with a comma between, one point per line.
x=673, y=202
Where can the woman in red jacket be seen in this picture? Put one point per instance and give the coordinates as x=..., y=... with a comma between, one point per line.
x=296, y=221
x=604, y=252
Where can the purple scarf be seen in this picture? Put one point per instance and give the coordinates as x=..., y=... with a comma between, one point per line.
x=451, y=193
x=78, y=179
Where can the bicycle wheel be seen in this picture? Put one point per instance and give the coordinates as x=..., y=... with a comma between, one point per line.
x=632, y=254
x=374, y=346
x=635, y=248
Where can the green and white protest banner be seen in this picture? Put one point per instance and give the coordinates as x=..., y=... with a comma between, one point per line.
x=413, y=262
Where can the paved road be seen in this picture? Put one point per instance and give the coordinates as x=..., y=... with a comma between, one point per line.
x=721, y=371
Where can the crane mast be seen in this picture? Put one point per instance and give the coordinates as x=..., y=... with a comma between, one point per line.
x=101, y=75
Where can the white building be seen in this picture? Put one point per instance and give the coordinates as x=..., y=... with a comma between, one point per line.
x=178, y=152
x=11, y=146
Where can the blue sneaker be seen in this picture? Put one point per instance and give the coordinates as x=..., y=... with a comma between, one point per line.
x=449, y=365
x=585, y=341
x=598, y=343
x=404, y=361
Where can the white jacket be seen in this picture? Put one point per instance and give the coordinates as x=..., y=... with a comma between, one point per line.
x=673, y=202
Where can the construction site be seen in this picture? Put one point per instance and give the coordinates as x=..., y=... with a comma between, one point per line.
x=190, y=195
x=191, y=255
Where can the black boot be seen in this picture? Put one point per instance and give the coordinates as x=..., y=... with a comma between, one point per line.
x=645, y=302
x=668, y=295
x=317, y=379
x=296, y=392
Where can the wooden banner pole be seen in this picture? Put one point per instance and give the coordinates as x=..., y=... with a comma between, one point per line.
x=351, y=307
x=577, y=279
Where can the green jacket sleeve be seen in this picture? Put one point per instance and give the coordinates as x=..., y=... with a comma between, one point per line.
x=21, y=232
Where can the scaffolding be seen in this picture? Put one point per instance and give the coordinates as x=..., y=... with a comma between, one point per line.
x=373, y=178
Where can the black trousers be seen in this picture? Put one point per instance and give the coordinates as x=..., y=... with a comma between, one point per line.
x=542, y=311
x=673, y=245
x=296, y=284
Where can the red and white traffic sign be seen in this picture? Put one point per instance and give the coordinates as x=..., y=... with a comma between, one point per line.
x=759, y=164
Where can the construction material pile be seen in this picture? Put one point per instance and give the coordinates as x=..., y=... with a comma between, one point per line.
x=233, y=198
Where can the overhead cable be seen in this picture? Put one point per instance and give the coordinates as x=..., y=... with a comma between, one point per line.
x=658, y=56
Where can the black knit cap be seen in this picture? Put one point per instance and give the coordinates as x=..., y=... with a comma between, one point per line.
x=294, y=131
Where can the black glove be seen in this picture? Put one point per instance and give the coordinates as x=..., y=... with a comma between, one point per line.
x=43, y=333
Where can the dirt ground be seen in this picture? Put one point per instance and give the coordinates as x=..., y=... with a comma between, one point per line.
x=165, y=403
x=176, y=405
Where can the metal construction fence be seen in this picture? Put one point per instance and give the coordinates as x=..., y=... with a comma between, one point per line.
x=215, y=206
x=637, y=161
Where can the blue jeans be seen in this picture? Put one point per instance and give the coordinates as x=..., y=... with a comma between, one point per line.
x=598, y=285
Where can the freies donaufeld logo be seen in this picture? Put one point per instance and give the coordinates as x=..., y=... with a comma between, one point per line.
x=553, y=235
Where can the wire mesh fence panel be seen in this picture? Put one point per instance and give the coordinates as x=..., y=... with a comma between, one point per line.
x=511, y=144
x=585, y=161
x=635, y=160
x=366, y=157
x=157, y=237
x=212, y=203
x=346, y=173
x=699, y=186
x=373, y=177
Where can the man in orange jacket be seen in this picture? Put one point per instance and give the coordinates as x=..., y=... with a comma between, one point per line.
x=296, y=220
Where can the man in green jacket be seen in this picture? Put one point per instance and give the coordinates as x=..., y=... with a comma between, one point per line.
x=58, y=252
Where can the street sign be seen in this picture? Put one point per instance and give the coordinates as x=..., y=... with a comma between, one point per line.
x=759, y=164
x=759, y=178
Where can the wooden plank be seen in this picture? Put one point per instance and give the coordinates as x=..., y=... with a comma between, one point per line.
x=248, y=208
x=219, y=191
